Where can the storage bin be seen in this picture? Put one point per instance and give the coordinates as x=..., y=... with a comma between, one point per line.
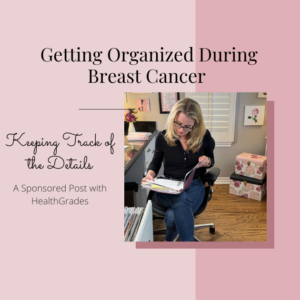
x=247, y=187
x=251, y=165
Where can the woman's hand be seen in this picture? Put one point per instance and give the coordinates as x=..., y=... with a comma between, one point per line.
x=204, y=161
x=150, y=176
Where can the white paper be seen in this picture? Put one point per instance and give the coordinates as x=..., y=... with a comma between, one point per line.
x=171, y=184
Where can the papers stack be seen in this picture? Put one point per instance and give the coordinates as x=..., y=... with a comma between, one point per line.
x=132, y=220
x=138, y=136
x=164, y=186
x=170, y=186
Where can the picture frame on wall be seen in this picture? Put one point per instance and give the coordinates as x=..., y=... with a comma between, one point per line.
x=262, y=95
x=143, y=105
x=254, y=115
x=167, y=101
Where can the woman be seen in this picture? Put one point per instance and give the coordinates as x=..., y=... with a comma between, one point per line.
x=185, y=143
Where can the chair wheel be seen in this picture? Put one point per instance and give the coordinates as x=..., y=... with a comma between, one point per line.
x=212, y=230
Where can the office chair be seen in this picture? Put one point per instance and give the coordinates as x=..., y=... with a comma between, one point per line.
x=209, y=180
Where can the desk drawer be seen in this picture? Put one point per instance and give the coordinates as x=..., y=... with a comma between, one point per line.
x=149, y=153
x=148, y=160
x=150, y=149
x=145, y=232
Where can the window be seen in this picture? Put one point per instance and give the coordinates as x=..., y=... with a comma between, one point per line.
x=218, y=111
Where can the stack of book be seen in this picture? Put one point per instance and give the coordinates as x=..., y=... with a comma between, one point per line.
x=138, y=136
x=132, y=220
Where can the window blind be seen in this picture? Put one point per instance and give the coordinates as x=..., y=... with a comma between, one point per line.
x=218, y=110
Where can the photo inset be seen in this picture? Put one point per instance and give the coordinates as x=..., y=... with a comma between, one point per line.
x=195, y=167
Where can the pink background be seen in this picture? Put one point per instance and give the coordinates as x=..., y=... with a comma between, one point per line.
x=66, y=252
x=270, y=29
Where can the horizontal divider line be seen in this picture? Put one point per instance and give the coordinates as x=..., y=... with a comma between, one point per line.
x=102, y=108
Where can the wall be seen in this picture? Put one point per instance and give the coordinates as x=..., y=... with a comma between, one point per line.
x=154, y=114
x=247, y=138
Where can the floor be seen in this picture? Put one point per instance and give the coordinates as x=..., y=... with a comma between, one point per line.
x=235, y=218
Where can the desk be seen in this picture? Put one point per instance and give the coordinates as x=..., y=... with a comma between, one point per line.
x=137, y=158
x=134, y=150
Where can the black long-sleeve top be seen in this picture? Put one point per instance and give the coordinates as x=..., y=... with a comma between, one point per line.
x=177, y=162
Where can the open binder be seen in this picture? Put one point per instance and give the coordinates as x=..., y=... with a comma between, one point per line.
x=167, y=186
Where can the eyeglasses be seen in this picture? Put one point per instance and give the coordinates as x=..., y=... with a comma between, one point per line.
x=187, y=129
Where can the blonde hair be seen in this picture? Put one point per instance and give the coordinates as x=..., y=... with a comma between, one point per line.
x=191, y=109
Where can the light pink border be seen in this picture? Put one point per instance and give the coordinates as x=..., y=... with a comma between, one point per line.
x=269, y=244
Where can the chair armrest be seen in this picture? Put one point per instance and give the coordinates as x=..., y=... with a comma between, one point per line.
x=211, y=176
